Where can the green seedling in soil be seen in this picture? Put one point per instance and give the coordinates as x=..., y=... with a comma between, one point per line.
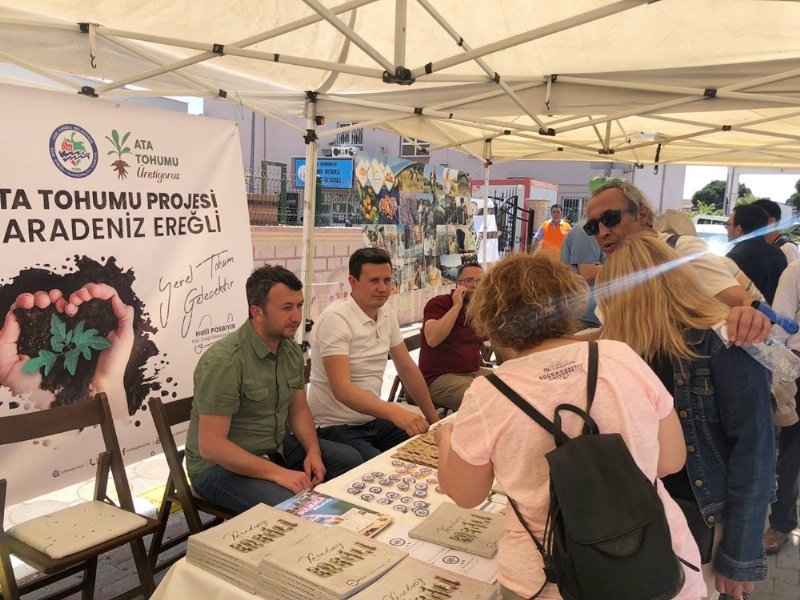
x=67, y=345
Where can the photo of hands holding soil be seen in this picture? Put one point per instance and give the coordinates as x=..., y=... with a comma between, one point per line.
x=69, y=334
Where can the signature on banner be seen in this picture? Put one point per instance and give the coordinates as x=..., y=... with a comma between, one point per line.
x=199, y=283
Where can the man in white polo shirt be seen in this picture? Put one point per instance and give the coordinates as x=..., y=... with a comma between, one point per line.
x=349, y=346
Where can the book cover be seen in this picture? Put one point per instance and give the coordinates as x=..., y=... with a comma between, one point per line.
x=325, y=510
x=413, y=579
x=458, y=562
x=465, y=529
x=244, y=540
x=337, y=564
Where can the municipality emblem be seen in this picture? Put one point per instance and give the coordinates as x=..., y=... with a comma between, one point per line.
x=73, y=150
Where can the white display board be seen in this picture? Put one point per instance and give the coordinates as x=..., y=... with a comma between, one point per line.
x=123, y=219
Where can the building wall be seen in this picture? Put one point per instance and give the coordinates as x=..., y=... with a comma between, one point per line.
x=332, y=247
x=275, y=142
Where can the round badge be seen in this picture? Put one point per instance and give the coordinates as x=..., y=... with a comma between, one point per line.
x=73, y=150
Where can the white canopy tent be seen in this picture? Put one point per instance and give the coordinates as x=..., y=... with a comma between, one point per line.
x=672, y=81
x=669, y=81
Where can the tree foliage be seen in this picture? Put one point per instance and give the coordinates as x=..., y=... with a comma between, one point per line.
x=794, y=199
x=712, y=194
x=705, y=209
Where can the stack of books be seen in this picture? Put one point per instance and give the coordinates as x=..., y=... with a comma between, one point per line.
x=333, y=566
x=413, y=579
x=233, y=550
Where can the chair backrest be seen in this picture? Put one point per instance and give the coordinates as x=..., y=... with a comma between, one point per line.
x=398, y=392
x=73, y=417
x=165, y=417
x=413, y=341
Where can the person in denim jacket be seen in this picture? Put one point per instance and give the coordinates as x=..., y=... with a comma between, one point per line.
x=721, y=394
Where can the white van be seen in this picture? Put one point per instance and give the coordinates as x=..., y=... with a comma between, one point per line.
x=710, y=220
x=714, y=231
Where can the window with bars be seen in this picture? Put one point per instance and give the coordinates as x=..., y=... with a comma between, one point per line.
x=573, y=207
x=353, y=137
x=411, y=147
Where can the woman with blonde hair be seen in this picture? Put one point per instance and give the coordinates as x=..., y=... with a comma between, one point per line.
x=530, y=304
x=651, y=301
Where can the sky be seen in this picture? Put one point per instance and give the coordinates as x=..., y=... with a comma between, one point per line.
x=776, y=186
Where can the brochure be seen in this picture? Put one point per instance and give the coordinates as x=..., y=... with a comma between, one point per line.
x=326, y=510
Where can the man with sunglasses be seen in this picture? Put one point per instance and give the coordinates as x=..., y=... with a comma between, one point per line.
x=349, y=345
x=618, y=209
x=450, y=350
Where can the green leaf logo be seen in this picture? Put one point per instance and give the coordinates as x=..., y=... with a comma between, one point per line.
x=68, y=345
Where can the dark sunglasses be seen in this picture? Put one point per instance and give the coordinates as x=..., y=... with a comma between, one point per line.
x=610, y=218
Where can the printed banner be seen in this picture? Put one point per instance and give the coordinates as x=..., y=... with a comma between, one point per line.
x=421, y=214
x=126, y=246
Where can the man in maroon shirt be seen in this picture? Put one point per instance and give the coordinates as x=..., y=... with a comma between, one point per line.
x=450, y=351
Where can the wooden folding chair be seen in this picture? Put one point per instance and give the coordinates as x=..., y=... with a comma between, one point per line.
x=68, y=541
x=398, y=392
x=178, y=489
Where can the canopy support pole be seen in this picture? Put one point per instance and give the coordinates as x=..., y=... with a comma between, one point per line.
x=487, y=163
x=309, y=209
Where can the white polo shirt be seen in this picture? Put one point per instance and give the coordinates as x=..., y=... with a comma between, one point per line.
x=713, y=274
x=343, y=329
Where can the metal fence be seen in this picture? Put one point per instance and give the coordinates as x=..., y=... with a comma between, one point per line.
x=276, y=201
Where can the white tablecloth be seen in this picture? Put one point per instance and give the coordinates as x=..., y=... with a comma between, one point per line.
x=185, y=581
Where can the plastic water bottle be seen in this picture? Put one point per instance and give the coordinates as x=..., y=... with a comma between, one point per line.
x=772, y=354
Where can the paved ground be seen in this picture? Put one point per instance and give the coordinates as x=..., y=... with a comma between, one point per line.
x=784, y=573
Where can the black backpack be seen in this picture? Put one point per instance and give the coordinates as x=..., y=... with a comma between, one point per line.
x=606, y=535
x=781, y=240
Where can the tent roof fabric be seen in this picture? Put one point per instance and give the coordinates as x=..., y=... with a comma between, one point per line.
x=670, y=81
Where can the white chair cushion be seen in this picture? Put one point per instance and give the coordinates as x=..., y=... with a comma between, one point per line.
x=76, y=528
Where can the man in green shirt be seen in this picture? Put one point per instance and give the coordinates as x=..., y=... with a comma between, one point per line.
x=247, y=386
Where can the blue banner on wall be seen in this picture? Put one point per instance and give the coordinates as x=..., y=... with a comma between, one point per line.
x=334, y=172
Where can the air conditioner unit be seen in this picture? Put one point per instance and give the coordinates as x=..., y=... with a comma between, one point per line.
x=344, y=151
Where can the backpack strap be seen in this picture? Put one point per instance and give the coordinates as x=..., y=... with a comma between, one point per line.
x=509, y=393
x=591, y=384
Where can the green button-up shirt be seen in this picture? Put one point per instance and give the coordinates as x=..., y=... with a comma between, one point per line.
x=240, y=377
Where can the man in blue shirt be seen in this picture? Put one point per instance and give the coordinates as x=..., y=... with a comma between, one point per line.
x=583, y=254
